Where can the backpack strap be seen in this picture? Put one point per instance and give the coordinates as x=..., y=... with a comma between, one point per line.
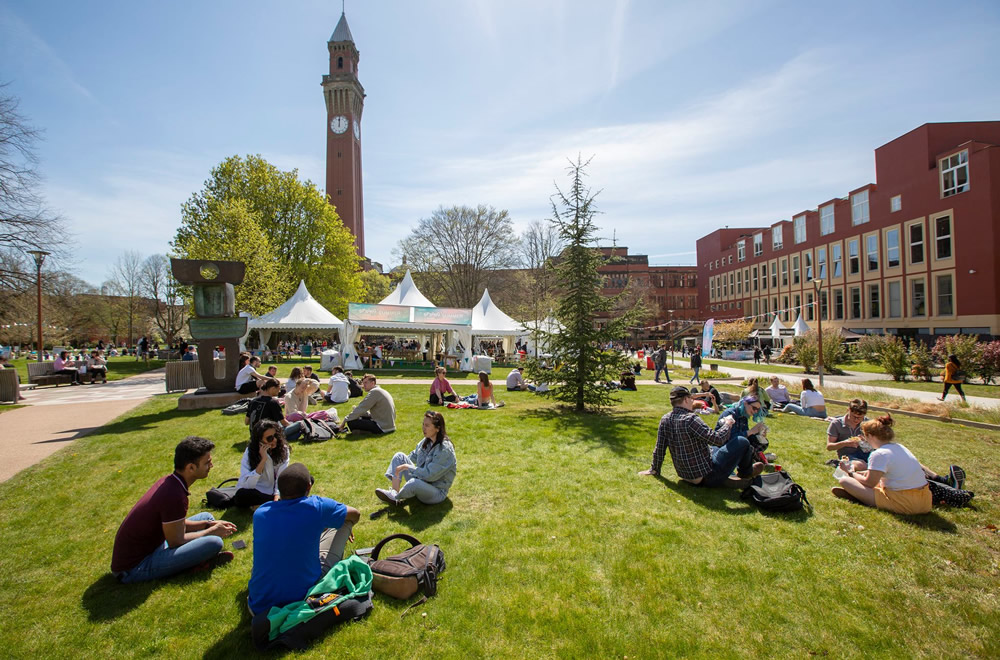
x=391, y=537
x=227, y=481
x=802, y=492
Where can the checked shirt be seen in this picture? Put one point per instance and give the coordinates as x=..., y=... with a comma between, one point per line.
x=688, y=438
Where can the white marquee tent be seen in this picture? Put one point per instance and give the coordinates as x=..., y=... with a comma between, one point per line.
x=407, y=293
x=800, y=326
x=300, y=312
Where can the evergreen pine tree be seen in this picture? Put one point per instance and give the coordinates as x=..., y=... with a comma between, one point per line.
x=583, y=362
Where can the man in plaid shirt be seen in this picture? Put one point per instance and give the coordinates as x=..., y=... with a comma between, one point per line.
x=701, y=456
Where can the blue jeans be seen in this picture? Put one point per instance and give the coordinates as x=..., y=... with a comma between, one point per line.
x=795, y=409
x=694, y=378
x=167, y=561
x=293, y=431
x=665, y=373
x=426, y=492
x=734, y=455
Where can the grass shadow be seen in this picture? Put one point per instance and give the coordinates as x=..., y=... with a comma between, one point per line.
x=606, y=429
x=931, y=521
x=145, y=422
x=237, y=640
x=715, y=499
x=417, y=516
x=108, y=599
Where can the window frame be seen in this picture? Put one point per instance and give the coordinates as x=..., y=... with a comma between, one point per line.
x=895, y=203
x=837, y=260
x=945, y=167
x=950, y=236
x=821, y=263
x=898, y=284
x=796, y=264
x=910, y=243
x=827, y=221
x=874, y=302
x=777, y=238
x=758, y=244
x=852, y=258
x=839, y=308
x=869, y=251
x=851, y=302
x=799, y=222
x=784, y=272
x=859, y=200
x=889, y=248
x=911, y=290
x=951, y=294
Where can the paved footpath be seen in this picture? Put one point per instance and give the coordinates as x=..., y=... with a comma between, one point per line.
x=56, y=416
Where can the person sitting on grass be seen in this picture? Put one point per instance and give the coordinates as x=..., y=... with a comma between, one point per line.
x=713, y=400
x=811, y=402
x=484, y=393
x=844, y=435
x=441, y=390
x=297, y=402
x=515, y=381
x=157, y=539
x=248, y=381
x=339, y=387
x=753, y=388
x=353, y=386
x=702, y=456
x=297, y=539
x=951, y=369
x=429, y=470
x=264, y=459
x=62, y=365
x=778, y=393
x=97, y=367
x=307, y=372
x=266, y=406
x=293, y=378
x=376, y=413
x=894, y=481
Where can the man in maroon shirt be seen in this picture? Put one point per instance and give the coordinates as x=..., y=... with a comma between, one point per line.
x=156, y=538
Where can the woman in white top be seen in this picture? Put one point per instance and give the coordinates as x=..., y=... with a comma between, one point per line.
x=895, y=480
x=263, y=461
x=811, y=402
x=297, y=402
x=293, y=378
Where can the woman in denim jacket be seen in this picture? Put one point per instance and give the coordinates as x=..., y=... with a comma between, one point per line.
x=429, y=470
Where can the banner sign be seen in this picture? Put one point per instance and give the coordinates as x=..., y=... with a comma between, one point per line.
x=444, y=315
x=737, y=355
x=706, y=338
x=366, y=312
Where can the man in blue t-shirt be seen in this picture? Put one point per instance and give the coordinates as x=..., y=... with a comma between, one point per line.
x=296, y=540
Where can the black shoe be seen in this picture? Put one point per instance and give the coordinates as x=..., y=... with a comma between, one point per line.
x=956, y=477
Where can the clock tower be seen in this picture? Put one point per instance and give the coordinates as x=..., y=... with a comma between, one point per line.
x=345, y=99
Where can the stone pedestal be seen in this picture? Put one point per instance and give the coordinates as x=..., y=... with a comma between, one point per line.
x=196, y=401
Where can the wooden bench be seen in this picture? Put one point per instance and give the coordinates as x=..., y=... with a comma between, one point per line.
x=43, y=373
x=8, y=385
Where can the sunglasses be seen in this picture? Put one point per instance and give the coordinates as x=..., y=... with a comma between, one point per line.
x=269, y=437
x=755, y=409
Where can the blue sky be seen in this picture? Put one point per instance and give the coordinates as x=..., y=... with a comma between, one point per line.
x=698, y=114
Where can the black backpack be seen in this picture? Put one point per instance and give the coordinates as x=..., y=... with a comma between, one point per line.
x=219, y=497
x=776, y=492
x=238, y=408
x=316, y=430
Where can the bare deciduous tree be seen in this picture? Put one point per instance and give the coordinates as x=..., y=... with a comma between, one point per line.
x=125, y=281
x=456, y=252
x=157, y=284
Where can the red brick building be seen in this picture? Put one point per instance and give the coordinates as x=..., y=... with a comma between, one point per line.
x=889, y=257
x=671, y=292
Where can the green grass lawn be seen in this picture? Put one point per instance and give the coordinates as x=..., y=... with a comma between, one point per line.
x=991, y=391
x=749, y=365
x=862, y=366
x=555, y=547
x=118, y=367
x=12, y=406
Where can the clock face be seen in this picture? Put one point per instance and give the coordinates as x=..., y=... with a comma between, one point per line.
x=357, y=130
x=339, y=124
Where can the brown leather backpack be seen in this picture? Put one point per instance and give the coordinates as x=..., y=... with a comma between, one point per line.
x=402, y=575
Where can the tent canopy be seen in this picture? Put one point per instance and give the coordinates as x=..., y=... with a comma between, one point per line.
x=300, y=312
x=406, y=293
x=776, y=327
x=800, y=326
x=489, y=321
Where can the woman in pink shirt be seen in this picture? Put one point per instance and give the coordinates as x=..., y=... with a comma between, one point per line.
x=441, y=391
x=63, y=366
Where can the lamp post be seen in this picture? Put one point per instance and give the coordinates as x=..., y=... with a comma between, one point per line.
x=39, y=256
x=818, y=285
x=670, y=329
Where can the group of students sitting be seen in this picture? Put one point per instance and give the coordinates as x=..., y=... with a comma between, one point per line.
x=297, y=536
x=95, y=366
x=874, y=469
x=442, y=393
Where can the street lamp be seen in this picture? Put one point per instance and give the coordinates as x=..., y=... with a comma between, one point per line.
x=818, y=285
x=39, y=256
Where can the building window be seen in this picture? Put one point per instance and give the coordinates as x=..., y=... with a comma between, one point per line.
x=732, y=283
x=824, y=304
x=754, y=278
x=741, y=251
x=821, y=262
x=746, y=281
x=799, y=225
x=874, y=304
x=955, y=174
x=776, y=239
x=774, y=305
x=859, y=208
x=795, y=270
x=798, y=303
x=836, y=253
x=758, y=244
x=809, y=266
x=763, y=309
x=855, y=302
x=918, y=298
x=826, y=220
x=838, y=304
x=340, y=62
x=895, y=300
x=725, y=286
x=942, y=237
x=810, y=308
x=784, y=307
x=784, y=272
x=730, y=260
x=739, y=284
x=945, y=296
x=917, y=243
x=756, y=307
x=892, y=248
x=872, y=250
x=763, y=276
x=774, y=278
x=895, y=203
x=853, y=259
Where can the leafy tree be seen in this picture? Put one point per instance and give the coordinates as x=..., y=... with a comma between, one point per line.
x=964, y=347
x=922, y=360
x=305, y=238
x=457, y=252
x=376, y=286
x=732, y=331
x=25, y=223
x=894, y=358
x=989, y=361
x=583, y=363
x=869, y=348
x=807, y=350
x=232, y=232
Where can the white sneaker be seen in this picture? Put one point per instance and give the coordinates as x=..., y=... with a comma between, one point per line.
x=387, y=495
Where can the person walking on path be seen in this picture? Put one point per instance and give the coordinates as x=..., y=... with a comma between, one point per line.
x=660, y=362
x=696, y=365
x=767, y=354
x=756, y=355
x=953, y=376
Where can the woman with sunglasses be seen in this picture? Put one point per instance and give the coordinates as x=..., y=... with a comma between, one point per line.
x=429, y=470
x=263, y=461
x=746, y=410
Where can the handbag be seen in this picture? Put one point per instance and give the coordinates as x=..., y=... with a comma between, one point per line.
x=403, y=575
x=219, y=497
x=960, y=375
